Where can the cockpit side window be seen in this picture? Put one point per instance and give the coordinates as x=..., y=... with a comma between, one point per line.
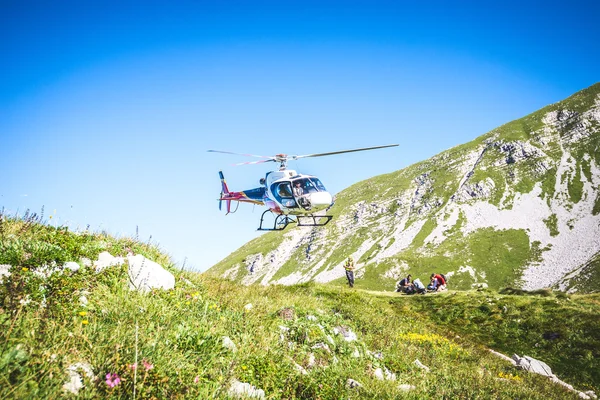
x=284, y=190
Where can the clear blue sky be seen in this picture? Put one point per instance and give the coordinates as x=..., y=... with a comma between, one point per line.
x=108, y=108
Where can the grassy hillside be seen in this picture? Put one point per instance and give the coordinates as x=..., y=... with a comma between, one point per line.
x=452, y=213
x=290, y=342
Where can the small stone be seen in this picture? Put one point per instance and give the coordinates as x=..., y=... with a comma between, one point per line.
x=420, y=365
x=73, y=266
x=228, y=344
x=405, y=387
x=352, y=384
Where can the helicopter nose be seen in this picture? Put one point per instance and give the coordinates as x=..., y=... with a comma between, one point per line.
x=321, y=199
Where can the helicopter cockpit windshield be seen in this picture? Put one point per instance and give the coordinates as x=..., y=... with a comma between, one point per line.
x=310, y=185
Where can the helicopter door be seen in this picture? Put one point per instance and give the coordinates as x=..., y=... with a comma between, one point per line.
x=283, y=194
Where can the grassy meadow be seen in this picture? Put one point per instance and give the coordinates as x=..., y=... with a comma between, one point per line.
x=293, y=342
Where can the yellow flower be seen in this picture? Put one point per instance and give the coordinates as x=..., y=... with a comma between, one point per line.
x=244, y=367
x=85, y=322
x=187, y=303
x=25, y=269
x=83, y=313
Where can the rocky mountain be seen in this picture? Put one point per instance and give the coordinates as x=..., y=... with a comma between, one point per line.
x=518, y=206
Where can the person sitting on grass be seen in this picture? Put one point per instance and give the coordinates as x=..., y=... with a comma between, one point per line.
x=438, y=283
x=419, y=287
x=406, y=285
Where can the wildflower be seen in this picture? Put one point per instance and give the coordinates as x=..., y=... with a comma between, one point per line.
x=147, y=365
x=132, y=366
x=83, y=313
x=85, y=322
x=196, y=379
x=187, y=303
x=25, y=269
x=112, y=380
x=244, y=367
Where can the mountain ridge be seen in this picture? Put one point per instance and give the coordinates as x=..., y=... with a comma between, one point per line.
x=517, y=206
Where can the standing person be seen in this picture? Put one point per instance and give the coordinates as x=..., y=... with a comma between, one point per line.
x=349, y=267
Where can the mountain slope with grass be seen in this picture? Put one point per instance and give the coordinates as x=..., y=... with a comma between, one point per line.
x=65, y=330
x=518, y=206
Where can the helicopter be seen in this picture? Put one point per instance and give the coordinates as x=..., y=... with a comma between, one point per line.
x=290, y=196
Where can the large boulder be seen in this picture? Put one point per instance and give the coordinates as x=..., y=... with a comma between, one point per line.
x=145, y=275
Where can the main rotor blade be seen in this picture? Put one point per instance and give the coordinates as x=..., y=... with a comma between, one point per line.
x=255, y=162
x=238, y=154
x=342, y=151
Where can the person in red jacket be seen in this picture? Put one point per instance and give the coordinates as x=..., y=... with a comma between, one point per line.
x=438, y=283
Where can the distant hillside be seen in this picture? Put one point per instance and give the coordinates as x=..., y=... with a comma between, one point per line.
x=518, y=206
x=71, y=331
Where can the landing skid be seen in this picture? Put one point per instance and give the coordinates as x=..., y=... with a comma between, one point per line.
x=313, y=220
x=282, y=221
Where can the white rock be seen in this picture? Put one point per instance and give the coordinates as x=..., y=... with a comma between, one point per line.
x=351, y=384
x=321, y=345
x=105, y=260
x=245, y=390
x=390, y=376
x=74, y=383
x=145, y=275
x=502, y=356
x=532, y=365
x=384, y=374
x=4, y=271
x=299, y=368
x=420, y=365
x=228, y=344
x=405, y=387
x=347, y=333
x=73, y=266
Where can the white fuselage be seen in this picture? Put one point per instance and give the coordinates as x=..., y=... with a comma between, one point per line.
x=282, y=198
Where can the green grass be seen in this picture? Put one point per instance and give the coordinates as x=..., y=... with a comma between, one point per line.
x=177, y=334
x=575, y=186
x=552, y=224
x=560, y=330
x=262, y=244
x=596, y=209
x=588, y=273
x=496, y=256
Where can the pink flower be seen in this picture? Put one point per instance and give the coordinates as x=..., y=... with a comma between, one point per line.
x=196, y=379
x=112, y=380
x=133, y=366
x=147, y=365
